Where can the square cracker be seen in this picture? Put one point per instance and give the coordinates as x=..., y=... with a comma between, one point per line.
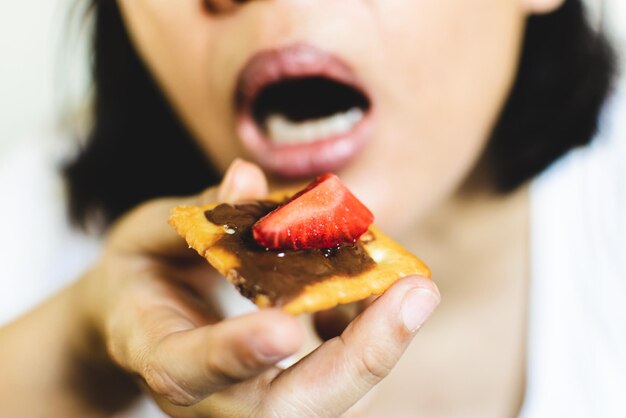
x=393, y=262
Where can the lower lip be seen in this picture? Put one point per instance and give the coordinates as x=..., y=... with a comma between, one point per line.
x=307, y=159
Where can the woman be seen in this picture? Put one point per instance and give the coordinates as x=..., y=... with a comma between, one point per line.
x=436, y=114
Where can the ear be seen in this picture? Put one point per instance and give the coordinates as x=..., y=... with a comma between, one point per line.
x=536, y=7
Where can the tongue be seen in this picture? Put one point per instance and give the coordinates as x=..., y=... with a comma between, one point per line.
x=283, y=131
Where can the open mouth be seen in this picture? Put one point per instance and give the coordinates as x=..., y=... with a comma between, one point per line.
x=304, y=110
x=301, y=111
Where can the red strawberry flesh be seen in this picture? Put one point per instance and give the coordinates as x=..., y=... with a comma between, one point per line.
x=322, y=215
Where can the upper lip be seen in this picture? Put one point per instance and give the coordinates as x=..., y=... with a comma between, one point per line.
x=295, y=61
x=300, y=63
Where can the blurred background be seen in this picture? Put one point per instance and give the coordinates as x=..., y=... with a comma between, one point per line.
x=44, y=71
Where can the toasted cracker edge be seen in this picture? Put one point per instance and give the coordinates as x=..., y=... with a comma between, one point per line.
x=393, y=262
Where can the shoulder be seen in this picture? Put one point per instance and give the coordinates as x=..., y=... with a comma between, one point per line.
x=38, y=246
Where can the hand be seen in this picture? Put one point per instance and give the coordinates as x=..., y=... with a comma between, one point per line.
x=154, y=314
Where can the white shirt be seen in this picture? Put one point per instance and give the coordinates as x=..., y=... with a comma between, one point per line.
x=577, y=335
x=577, y=325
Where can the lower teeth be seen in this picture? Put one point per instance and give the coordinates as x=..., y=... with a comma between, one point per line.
x=283, y=131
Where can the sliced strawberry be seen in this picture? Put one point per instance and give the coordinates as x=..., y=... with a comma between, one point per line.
x=322, y=215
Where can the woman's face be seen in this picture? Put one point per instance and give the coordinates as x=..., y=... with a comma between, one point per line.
x=396, y=96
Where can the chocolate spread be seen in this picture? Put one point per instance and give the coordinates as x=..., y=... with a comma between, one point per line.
x=280, y=275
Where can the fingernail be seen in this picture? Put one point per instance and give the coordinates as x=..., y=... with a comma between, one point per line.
x=417, y=306
x=226, y=191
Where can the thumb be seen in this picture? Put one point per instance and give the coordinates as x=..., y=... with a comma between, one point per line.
x=344, y=369
x=145, y=229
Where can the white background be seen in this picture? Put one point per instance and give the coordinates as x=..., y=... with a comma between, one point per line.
x=43, y=73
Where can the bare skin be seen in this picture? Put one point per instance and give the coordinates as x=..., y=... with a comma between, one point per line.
x=143, y=310
x=133, y=314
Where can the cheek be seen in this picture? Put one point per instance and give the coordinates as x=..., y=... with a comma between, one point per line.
x=445, y=78
x=182, y=63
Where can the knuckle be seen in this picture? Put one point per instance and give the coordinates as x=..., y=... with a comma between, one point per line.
x=374, y=364
x=118, y=348
x=162, y=384
x=219, y=374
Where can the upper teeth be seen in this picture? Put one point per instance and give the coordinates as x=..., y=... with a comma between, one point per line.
x=283, y=131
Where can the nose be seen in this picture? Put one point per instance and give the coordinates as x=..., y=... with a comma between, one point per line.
x=223, y=6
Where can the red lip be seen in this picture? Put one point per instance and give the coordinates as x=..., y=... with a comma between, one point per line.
x=297, y=160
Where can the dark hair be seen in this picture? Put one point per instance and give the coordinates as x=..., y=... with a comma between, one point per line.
x=138, y=149
x=565, y=74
